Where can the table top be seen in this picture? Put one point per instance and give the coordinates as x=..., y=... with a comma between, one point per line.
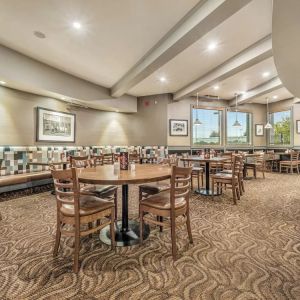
x=107, y=175
x=47, y=163
x=202, y=159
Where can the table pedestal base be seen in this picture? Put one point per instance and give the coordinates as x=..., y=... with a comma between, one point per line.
x=205, y=192
x=125, y=238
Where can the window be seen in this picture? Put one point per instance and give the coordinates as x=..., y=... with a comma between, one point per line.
x=208, y=130
x=238, y=128
x=280, y=134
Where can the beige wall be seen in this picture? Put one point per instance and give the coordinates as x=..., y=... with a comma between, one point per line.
x=147, y=127
x=182, y=110
x=27, y=74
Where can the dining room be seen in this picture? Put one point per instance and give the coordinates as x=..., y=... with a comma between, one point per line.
x=149, y=160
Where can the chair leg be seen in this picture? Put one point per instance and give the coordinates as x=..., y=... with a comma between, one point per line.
x=238, y=192
x=161, y=219
x=243, y=186
x=188, y=225
x=173, y=238
x=202, y=179
x=141, y=226
x=57, y=238
x=90, y=225
x=112, y=229
x=234, y=193
x=76, y=248
x=192, y=186
x=198, y=180
x=116, y=206
x=213, y=188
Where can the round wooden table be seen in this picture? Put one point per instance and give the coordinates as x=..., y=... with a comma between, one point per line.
x=127, y=231
x=207, y=191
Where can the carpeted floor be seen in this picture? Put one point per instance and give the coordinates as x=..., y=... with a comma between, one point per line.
x=248, y=251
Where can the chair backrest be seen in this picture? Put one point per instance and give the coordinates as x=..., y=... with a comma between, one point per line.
x=81, y=162
x=67, y=188
x=260, y=159
x=180, y=184
x=294, y=155
x=134, y=157
x=170, y=162
x=237, y=165
x=98, y=160
x=108, y=159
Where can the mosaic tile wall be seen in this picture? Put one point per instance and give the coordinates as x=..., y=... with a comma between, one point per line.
x=15, y=159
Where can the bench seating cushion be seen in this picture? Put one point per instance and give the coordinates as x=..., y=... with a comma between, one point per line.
x=8, y=180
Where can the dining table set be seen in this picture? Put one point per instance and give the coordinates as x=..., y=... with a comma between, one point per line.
x=149, y=169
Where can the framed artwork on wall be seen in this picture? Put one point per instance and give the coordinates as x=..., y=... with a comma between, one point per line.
x=178, y=127
x=298, y=126
x=55, y=126
x=259, y=129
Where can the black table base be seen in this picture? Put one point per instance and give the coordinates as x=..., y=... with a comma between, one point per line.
x=125, y=238
x=206, y=192
x=127, y=231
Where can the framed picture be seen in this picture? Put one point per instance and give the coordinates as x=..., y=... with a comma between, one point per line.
x=298, y=126
x=259, y=129
x=54, y=126
x=178, y=127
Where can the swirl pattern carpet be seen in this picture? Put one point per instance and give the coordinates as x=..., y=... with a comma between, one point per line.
x=245, y=251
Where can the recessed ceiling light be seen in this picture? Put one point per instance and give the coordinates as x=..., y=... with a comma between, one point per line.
x=117, y=110
x=63, y=98
x=243, y=92
x=39, y=34
x=275, y=97
x=162, y=79
x=266, y=74
x=2, y=82
x=212, y=46
x=76, y=25
x=216, y=87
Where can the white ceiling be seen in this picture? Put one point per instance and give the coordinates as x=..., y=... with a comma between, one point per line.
x=232, y=36
x=243, y=81
x=114, y=35
x=281, y=94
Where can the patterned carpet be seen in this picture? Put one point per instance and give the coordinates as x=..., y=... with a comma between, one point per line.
x=248, y=251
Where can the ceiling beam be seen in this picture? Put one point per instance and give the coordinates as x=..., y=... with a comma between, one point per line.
x=245, y=59
x=204, y=17
x=269, y=86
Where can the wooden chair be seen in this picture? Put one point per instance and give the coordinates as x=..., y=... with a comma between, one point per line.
x=291, y=164
x=197, y=172
x=109, y=192
x=81, y=161
x=98, y=160
x=227, y=165
x=231, y=179
x=154, y=188
x=256, y=163
x=170, y=204
x=240, y=176
x=108, y=159
x=134, y=157
x=75, y=210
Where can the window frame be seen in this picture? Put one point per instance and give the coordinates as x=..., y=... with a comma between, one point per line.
x=221, y=126
x=290, y=109
x=251, y=129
